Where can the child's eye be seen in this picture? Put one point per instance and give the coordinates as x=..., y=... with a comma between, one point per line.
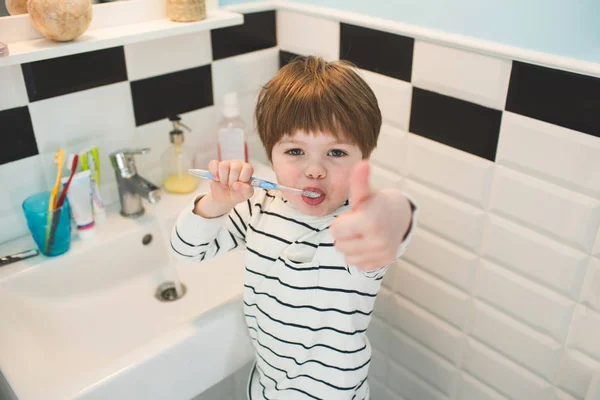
x=337, y=153
x=294, y=152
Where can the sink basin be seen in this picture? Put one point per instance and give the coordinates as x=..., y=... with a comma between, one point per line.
x=87, y=324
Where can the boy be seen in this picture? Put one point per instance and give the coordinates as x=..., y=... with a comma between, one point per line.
x=313, y=265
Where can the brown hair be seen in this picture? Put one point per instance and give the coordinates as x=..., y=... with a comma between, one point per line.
x=312, y=95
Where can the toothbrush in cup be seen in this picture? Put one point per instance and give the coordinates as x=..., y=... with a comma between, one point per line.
x=258, y=183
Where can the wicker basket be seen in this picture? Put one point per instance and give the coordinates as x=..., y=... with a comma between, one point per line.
x=186, y=10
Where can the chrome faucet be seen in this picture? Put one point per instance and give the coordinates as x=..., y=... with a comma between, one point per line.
x=132, y=187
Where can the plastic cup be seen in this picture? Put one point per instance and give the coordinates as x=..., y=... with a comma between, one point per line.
x=51, y=231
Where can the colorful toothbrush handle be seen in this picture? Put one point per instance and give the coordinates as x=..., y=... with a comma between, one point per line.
x=256, y=182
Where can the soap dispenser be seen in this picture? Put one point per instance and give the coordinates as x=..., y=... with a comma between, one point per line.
x=176, y=161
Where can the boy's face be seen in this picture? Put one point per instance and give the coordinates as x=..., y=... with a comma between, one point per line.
x=316, y=162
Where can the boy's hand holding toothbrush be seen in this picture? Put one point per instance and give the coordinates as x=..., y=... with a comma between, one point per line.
x=233, y=187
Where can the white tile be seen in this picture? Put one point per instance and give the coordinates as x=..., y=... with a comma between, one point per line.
x=443, y=259
x=394, y=97
x=13, y=92
x=244, y=74
x=535, y=256
x=379, y=334
x=379, y=365
x=585, y=332
x=74, y=122
x=383, y=179
x=427, y=329
x=163, y=56
x=434, y=295
x=410, y=386
x=593, y=392
x=591, y=288
x=307, y=35
x=462, y=74
x=564, y=156
x=382, y=304
x=532, y=304
x=20, y=179
x=473, y=389
x=596, y=250
x=391, y=149
x=453, y=219
x=537, y=352
x=575, y=373
x=14, y=225
x=427, y=365
x=380, y=391
x=555, y=211
x=453, y=171
x=504, y=375
x=560, y=395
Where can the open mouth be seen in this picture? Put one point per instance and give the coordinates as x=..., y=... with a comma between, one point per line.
x=317, y=198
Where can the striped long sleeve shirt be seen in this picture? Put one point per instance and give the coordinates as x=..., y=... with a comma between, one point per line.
x=307, y=311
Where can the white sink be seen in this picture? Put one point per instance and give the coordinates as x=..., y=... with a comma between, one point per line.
x=87, y=325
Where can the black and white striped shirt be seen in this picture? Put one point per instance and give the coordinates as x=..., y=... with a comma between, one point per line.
x=307, y=311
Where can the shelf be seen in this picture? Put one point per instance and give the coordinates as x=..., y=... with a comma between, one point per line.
x=102, y=38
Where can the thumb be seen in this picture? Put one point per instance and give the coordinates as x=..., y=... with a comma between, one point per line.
x=360, y=190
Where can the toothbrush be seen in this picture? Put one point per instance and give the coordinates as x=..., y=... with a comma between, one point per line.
x=259, y=183
x=73, y=159
x=59, y=160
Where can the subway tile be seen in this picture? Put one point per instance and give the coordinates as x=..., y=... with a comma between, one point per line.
x=504, y=375
x=244, y=74
x=72, y=122
x=535, y=256
x=15, y=223
x=14, y=94
x=443, y=259
x=180, y=92
x=393, y=96
x=285, y=57
x=307, y=35
x=575, y=373
x=553, y=210
x=440, y=213
x=437, y=335
x=436, y=296
x=591, y=288
x=257, y=33
x=379, y=365
x=382, y=304
x=382, y=179
x=559, y=97
x=473, y=389
x=585, y=332
x=520, y=343
x=427, y=365
x=525, y=300
x=379, y=334
x=410, y=386
x=59, y=76
x=391, y=149
x=460, y=174
x=596, y=250
x=564, y=156
x=377, y=51
x=380, y=391
x=456, y=123
x=162, y=56
x=462, y=74
x=594, y=388
x=19, y=139
x=560, y=395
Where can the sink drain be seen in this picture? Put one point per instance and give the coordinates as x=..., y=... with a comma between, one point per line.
x=167, y=292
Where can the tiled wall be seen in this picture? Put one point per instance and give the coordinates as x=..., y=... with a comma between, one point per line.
x=121, y=97
x=498, y=297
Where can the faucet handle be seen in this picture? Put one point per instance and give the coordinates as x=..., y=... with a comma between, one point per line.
x=123, y=161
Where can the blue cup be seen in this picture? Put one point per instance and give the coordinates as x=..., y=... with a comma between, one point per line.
x=51, y=230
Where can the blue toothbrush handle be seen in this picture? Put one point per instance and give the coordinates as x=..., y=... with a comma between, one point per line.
x=256, y=182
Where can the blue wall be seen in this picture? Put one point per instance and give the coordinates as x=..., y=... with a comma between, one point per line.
x=566, y=27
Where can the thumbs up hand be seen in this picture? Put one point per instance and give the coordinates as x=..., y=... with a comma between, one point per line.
x=370, y=234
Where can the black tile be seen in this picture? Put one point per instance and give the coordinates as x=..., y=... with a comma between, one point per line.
x=17, y=140
x=178, y=92
x=382, y=52
x=457, y=123
x=58, y=76
x=562, y=98
x=258, y=32
x=285, y=57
